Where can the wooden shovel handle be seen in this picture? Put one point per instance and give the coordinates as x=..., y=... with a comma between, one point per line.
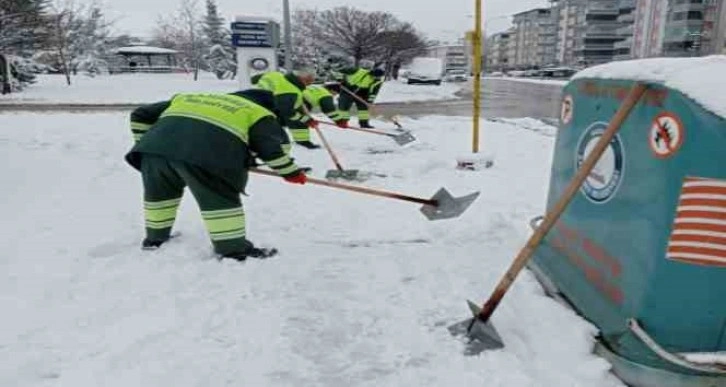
x=329, y=149
x=553, y=215
x=364, y=190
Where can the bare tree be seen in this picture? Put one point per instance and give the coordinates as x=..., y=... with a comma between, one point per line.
x=183, y=31
x=352, y=31
x=400, y=45
x=65, y=22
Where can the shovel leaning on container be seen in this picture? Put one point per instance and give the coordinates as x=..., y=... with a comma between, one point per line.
x=480, y=331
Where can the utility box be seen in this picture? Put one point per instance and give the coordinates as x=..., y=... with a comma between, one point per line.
x=641, y=249
x=256, y=40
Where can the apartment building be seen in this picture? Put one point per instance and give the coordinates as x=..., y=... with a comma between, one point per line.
x=623, y=48
x=497, y=51
x=534, y=38
x=691, y=27
x=455, y=56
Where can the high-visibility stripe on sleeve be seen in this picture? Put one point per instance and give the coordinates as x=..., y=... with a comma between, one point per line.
x=139, y=126
x=279, y=162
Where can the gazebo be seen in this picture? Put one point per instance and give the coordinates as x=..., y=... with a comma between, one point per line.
x=145, y=59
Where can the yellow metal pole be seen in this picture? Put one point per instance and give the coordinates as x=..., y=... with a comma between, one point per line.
x=476, y=41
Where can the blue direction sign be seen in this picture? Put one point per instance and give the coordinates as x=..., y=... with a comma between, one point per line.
x=252, y=34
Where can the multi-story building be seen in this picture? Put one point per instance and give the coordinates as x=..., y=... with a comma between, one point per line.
x=686, y=31
x=570, y=18
x=497, y=51
x=455, y=56
x=713, y=40
x=598, y=34
x=626, y=20
x=648, y=29
x=535, y=38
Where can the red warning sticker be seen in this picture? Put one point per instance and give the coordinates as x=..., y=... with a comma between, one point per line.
x=567, y=109
x=666, y=135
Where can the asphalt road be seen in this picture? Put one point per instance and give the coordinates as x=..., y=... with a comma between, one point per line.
x=500, y=99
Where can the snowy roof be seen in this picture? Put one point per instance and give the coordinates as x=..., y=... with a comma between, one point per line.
x=144, y=50
x=703, y=79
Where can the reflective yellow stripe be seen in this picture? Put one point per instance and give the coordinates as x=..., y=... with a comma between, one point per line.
x=137, y=136
x=286, y=171
x=139, y=126
x=159, y=225
x=225, y=224
x=300, y=134
x=162, y=204
x=231, y=113
x=278, y=162
x=364, y=114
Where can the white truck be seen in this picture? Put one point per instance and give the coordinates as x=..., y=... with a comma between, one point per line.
x=426, y=70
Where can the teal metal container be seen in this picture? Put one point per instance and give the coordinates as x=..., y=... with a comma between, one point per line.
x=641, y=249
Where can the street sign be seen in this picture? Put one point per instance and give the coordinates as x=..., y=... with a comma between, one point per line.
x=255, y=34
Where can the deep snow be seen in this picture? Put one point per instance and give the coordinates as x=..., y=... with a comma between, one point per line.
x=144, y=88
x=360, y=295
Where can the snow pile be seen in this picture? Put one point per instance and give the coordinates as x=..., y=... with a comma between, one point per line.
x=703, y=79
x=396, y=91
x=717, y=358
x=360, y=295
x=144, y=88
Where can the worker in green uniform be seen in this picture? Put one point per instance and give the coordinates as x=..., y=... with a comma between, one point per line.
x=319, y=97
x=359, y=81
x=288, y=91
x=207, y=142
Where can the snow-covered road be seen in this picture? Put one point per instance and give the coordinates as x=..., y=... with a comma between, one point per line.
x=361, y=294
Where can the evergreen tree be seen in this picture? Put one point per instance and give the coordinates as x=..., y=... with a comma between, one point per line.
x=220, y=58
x=22, y=26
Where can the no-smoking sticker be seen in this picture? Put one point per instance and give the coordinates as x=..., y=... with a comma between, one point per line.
x=566, y=110
x=665, y=135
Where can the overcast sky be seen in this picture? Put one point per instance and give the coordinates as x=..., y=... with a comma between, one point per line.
x=439, y=19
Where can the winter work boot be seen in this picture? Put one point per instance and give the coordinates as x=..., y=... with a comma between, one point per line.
x=308, y=144
x=365, y=124
x=148, y=244
x=254, y=252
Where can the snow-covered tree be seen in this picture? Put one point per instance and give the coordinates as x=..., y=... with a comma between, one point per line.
x=220, y=58
x=78, y=38
x=22, y=26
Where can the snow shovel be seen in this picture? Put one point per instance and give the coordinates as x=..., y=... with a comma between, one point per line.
x=339, y=172
x=480, y=331
x=369, y=105
x=441, y=206
x=400, y=139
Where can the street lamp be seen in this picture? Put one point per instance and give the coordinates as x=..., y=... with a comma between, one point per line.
x=288, y=35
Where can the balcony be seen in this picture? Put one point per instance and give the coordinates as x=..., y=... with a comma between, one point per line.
x=685, y=7
x=627, y=18
x=603, y=7
x=625, y=31
x=623, y=44
x=627, y=4
x=603, y=30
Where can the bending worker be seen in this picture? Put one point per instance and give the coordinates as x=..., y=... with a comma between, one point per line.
x=207, y=142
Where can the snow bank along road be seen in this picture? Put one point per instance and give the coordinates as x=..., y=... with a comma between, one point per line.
x=500, y=98
x=361, y=294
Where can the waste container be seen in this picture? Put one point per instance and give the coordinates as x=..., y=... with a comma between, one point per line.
x=641, y=249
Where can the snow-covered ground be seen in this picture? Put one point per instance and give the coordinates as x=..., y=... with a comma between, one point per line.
x=558, y=82
x=361, y=294
x=144, y=88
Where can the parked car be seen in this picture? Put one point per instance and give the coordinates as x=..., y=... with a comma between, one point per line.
x=456, y=75
x=426, y=70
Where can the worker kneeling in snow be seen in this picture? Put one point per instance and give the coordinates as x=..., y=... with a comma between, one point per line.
x=207, y=142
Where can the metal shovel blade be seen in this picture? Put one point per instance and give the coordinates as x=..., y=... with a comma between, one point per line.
x=448, y=206
x=346, y=174
x=481, y=334
x=403, y=138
